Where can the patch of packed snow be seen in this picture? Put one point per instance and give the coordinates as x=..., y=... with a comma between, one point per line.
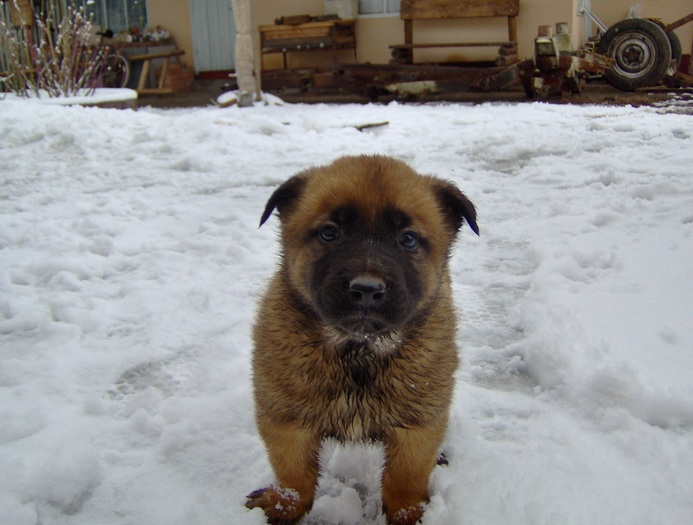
x=85, y=96
x=131, y=261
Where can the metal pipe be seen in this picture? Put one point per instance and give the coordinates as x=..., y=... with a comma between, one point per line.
x=584, y=9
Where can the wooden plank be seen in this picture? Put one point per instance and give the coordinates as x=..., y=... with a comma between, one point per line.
x=296, y=44
x=679, y=23
x=686, y=80
x=165, y=54
x=143, y=75
x=432, y=9
x=155, y=91
x=282, y=27
x=296, y=33
x=454, y=44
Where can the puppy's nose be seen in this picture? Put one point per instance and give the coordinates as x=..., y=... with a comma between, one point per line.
x=367, y=292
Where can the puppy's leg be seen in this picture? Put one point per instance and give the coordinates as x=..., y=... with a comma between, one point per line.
x=410, y=455
x=293, y=453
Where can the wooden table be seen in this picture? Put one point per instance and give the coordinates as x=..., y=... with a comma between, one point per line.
x=311, y=36
x=144, y=74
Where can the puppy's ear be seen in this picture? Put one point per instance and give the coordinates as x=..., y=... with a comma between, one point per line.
x=284, y=197
x=456, y=206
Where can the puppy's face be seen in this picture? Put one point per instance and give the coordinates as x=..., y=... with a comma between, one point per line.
x=366, y=240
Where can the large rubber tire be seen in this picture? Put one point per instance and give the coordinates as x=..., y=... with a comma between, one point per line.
x=641, y=50
x=676, y=49
x=676, y=53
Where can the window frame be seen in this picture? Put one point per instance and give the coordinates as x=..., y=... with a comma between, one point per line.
x=384, y=14
x=102, y=10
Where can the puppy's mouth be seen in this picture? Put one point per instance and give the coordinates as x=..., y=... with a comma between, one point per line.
x=381, y=337
x=362, y=323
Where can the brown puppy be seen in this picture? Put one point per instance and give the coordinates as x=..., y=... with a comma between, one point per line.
x=355, y=336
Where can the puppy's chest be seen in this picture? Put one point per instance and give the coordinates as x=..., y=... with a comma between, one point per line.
x=358, y=367
x=364, y=395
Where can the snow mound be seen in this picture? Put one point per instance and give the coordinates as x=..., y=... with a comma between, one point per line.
x=131, y=261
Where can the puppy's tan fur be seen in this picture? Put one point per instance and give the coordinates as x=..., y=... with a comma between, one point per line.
x=355, y=335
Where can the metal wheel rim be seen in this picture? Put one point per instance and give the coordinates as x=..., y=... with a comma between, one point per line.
x=634, y=54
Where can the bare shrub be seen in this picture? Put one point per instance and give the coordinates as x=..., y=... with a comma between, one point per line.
x=50, y=52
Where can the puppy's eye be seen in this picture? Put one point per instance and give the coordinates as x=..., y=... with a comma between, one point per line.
x=328, y=233
x=410, y=240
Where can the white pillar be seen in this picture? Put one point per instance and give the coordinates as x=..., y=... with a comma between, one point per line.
x=248, y=83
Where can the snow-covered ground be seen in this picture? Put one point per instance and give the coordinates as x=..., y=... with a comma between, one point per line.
x=131, y=260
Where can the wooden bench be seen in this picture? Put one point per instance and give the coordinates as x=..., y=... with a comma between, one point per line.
x=412, y=10
x=144, y=74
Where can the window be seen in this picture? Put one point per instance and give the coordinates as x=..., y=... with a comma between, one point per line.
x=118, y=15
x=379, y=7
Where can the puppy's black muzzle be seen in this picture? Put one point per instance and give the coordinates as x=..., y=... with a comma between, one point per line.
x=367, y=293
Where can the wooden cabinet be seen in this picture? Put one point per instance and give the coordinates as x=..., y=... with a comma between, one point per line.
x=331, y=35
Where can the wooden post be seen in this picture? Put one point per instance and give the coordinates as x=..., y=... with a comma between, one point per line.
x=144, y=74
x=162, y=73
x=408, y=32
x=512, y=28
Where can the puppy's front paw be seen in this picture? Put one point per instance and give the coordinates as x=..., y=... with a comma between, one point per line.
x=407, y=516
x=281, y=506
